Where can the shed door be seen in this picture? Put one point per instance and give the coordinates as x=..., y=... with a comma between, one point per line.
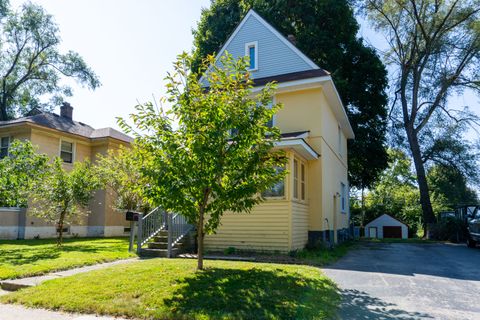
x=372, y=232
x=392, y=232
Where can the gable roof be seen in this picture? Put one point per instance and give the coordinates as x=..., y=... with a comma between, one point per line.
x=278, y=64
x=386, y=214
x=289, y=44
x=56, y=122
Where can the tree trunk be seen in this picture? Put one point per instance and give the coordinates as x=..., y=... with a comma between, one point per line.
x=200, y=234
x=363, y=207
x=60, y=226
x=3, y=111
x=427, y=210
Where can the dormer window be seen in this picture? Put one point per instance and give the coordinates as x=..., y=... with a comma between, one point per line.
x=251, y=51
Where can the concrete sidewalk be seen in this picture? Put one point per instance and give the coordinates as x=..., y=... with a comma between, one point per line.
x=16, y=312
x=16, y=284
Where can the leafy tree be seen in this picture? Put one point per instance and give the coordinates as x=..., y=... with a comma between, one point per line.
x=220, y=157
x=396, y=192
x=120, y=173
x=325, y=30
x=449, y=186
x=31, y=66
x=19, y=172
x=62, y=195
x=435, y=51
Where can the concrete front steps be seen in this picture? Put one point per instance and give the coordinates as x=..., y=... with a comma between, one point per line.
x=158, y=247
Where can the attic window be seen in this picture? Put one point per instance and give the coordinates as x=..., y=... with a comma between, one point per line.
x=251, y=51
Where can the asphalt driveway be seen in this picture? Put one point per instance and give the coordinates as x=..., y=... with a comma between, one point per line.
x=409, y=281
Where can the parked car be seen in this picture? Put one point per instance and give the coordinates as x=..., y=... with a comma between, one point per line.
x=472, y=216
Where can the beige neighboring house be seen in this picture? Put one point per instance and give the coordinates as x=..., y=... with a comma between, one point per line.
x=61, y=136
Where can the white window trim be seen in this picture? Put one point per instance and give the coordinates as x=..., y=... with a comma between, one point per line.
x=248, y=45
x=9, y=143
x=74, y=148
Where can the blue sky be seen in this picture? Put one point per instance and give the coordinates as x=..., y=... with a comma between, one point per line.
x=132, y=44
x=129, y=44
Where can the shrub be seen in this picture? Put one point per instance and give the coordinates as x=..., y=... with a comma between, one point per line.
x=229, y=250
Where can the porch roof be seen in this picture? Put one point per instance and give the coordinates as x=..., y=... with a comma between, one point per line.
x=296, y=141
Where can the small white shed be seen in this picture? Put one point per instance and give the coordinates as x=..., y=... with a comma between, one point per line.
x=386, y=226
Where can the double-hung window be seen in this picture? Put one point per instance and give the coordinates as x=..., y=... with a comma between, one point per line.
x=66, y=151
x=4, y=145
x=295, y=178
x=302, y=181
x=251, y=52
x=278, y=190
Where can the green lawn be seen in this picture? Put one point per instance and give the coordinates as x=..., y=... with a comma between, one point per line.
x=23, y=258
x=323, y=256
x=171, y=289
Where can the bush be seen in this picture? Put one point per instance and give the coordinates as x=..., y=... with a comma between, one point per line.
x=229, y=250
x=449, y=229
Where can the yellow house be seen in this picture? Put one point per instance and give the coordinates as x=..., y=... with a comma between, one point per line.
x=312, y=203
x=61, y=136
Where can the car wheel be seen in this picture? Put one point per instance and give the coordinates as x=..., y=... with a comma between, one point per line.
x=471, y=243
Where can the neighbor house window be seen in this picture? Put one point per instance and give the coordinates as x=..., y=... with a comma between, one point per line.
x=278, y=190
x=4, y=144
x=66, y=151
x=251, y=51
x=343, y=197
x=295, y=179
x=302, y=181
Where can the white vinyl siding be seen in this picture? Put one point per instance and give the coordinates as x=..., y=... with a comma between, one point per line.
x=272, y=53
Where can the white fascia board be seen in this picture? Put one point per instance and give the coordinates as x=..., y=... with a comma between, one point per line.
x=294, y=85
x=339, y=110
x=300, y=146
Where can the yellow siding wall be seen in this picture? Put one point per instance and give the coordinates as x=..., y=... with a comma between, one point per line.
x=334, y=171
x=299, y=225
x=265, y=228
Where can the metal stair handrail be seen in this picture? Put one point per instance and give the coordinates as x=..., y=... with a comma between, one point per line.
x=159, y=220
x=150, y=225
